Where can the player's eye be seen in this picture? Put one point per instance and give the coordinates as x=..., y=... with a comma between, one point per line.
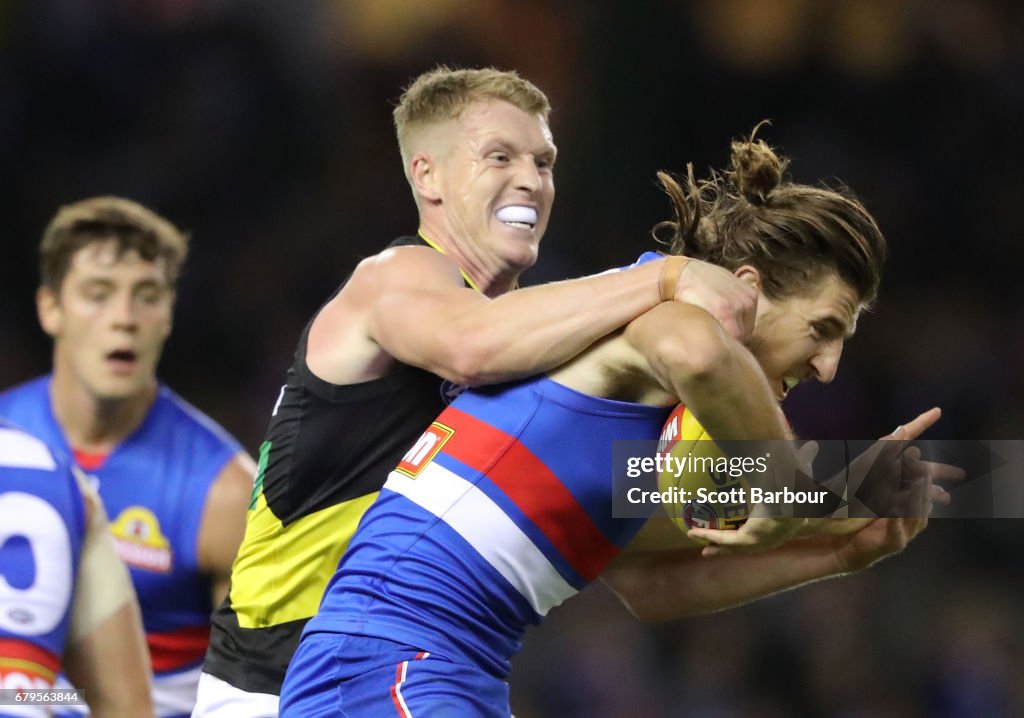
x=149, y=296
x=96, y=294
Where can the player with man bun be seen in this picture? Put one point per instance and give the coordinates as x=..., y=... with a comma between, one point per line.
x=489, y=521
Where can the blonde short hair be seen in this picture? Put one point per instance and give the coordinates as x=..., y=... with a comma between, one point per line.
x=443, y=94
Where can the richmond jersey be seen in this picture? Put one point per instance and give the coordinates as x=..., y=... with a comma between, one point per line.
x=154, y=485
x=328, y=450
x=42, y=525
x=499, y=512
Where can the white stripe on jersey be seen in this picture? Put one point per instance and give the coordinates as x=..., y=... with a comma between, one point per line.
x=403, y=671
x=489, y=530
x=19, y=450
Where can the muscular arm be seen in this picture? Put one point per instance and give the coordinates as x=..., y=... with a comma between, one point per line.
x=410, y=304
x=688, y=354
x=106, y=653
x=678, y=352
x=659, y=585
x=223, y=523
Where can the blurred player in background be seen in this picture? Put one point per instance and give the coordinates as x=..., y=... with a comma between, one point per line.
x=175, y=484
x=66, y=602
x=402, y=336
x=503, y=509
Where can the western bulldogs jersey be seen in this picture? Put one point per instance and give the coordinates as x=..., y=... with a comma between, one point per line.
x=154, y=485
x=501, y=511
x=42, y=525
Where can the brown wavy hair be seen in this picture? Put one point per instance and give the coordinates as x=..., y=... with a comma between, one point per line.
x=794, y=234
x=100, y=219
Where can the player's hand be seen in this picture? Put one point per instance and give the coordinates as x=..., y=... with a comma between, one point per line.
x=897, y=482
x=719, y=292
x=758, y=533
x=890, y=477
x=877, y=539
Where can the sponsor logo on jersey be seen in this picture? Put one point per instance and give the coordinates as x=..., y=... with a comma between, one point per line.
x=140, y=541
x=425, y=449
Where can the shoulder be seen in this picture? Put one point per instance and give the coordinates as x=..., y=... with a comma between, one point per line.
x=30, y=390
x=30, y=465
x=405, y=266
x=188, y=421
x=21, y=450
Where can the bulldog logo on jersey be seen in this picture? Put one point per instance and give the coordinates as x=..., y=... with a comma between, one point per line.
x=425, y=449
x=140, y=542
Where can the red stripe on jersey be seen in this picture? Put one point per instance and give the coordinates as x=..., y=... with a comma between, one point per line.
x=396, y=691
x=24, y=657
x=184, y=647
x=533, y=487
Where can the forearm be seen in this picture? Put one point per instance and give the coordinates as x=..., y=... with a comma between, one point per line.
x=112, y=666
x=733, y=399
x=519, y=334
x=103, y=585
x=534, y=330
x=679, y=584
x=715, y=376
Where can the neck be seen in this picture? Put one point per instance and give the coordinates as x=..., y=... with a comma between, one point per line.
x=490, y=279
x=93, y=424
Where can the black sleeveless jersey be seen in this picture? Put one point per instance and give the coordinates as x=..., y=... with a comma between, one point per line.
x=328, y=450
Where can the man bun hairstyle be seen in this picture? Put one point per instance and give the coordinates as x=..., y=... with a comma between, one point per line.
x=794, y=234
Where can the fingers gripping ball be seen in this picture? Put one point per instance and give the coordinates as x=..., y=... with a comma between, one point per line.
x=695, y=475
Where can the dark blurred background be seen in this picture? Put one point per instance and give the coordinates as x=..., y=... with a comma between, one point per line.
x=263, y=127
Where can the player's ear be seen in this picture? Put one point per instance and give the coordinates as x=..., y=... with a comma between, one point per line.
x=48, y=310
x=424, y=177
x=749, y=275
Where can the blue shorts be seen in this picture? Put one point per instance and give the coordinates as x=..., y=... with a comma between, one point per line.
x=336, y=674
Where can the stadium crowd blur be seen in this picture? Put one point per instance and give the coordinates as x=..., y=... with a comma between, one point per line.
x=263, y=127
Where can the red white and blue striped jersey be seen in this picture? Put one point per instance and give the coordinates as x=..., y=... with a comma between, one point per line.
x=154, y=485
x=42, y=526
x=501, y=511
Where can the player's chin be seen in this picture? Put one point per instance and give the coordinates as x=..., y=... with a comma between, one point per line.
x=120, y=388
x=522, y=253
